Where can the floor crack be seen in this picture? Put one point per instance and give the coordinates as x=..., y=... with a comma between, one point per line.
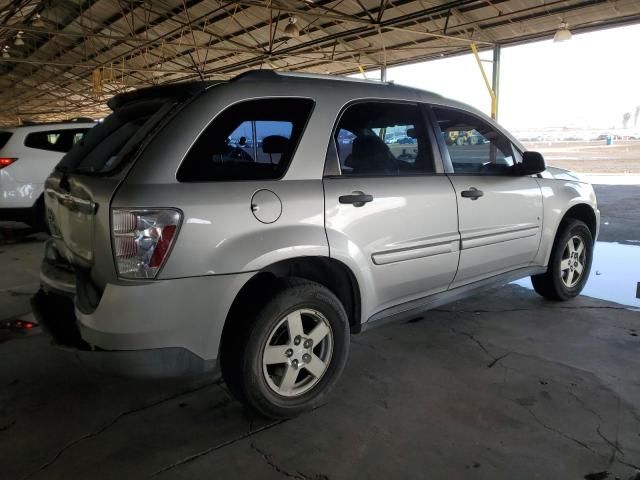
x=268, y=458
x=112, y=422
x=560, y=432
x=615, y=447
x=207, y=451
x=496, y=360
x=585, y=406
x=472, y=338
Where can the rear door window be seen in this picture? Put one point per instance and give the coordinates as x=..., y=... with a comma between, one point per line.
x=55, y=140
x=252, y=140
x=376, y=138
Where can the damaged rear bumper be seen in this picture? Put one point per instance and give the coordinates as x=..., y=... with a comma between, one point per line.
x=56, y=314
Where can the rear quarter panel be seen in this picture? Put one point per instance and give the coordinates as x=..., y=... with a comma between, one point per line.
x=220, y=234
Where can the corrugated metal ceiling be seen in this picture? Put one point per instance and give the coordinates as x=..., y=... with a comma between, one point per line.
x=76, y=54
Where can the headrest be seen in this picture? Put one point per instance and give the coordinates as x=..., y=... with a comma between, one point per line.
x=367, y=146
x=275, y=144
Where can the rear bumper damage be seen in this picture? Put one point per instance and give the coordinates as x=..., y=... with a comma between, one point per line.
x=164, y=328
x=56, y=314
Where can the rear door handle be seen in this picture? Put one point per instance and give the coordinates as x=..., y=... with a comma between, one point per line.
x=357, y=199
x=473, y=193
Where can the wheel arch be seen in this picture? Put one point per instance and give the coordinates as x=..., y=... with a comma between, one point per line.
x=583, y=212
x=578, y=211
x=329, y=272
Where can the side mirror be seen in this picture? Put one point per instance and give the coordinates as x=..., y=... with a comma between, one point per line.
x=532, y=163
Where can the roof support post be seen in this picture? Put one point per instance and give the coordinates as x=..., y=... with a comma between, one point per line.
x=495, y=77
x=383, y=73
x=492, y=93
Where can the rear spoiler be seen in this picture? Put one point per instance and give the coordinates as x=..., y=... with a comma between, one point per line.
x=172, y=90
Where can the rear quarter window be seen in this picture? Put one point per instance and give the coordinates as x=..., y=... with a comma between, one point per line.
x=4, y=138
x=251, y=140
x=55, y=140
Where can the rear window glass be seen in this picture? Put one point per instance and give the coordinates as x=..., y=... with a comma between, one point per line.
x=252, y=140
x=4, y=138
x=55, y=140
x=108, y=144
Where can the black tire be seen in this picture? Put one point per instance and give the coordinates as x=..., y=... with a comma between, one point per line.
x=252, y=387
x=550, y=284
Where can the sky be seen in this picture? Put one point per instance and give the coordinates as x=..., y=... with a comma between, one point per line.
x=589, y=81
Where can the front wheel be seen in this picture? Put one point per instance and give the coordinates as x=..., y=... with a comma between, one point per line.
x=569, y=264
x=295, y=351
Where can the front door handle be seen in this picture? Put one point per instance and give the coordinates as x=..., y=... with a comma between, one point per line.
x=473, y=193
x=357, y=199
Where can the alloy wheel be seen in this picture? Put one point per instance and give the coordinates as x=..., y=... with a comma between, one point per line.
x=297, y=353
x=573, y=263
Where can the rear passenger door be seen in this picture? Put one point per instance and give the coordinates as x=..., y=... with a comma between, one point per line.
x=500, y=211
x=390, y=212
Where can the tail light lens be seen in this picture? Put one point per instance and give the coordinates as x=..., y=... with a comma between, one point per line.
x=142, y=240
x=5, y=162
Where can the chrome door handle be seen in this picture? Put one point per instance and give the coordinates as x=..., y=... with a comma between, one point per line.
x=473, y=193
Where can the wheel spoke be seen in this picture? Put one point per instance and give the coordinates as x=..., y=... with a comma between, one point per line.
x=288, y=380
x=316, y=367
x=565, y=264
x=275, y=354
x=579, y=268
x=572, y=277
x=294, y=323
x=320, y=331
x=572, y=247
x=580, y=248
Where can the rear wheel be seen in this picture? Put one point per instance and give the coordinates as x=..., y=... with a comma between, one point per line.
x=295, y=350
x=569, y=264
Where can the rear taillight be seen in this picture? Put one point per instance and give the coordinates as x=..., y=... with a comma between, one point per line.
x=142, y=240
x=5, y=162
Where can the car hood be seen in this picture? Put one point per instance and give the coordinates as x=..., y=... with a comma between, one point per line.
x=562, y=174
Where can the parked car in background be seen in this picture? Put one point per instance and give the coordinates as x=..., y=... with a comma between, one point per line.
x=172, y=252
x=407, y=141
x=28, y=154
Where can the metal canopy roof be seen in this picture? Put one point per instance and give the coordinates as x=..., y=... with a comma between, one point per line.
x=65, y=58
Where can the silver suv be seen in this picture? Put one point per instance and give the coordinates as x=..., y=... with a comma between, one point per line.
x=252, y=225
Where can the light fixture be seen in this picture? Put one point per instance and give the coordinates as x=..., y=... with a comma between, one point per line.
x=37, y=21
x=292, y=30
x=5, y=53
x=563, y=34
x=19, y=42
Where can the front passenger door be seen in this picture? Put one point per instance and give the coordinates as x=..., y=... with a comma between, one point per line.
x=499, y=212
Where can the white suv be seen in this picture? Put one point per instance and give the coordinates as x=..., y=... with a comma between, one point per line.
x=28, y=154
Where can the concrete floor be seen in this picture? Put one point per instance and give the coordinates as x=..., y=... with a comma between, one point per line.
x=502, y=385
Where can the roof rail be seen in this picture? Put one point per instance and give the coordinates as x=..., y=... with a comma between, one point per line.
x=272, y=74
x=256, y=75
